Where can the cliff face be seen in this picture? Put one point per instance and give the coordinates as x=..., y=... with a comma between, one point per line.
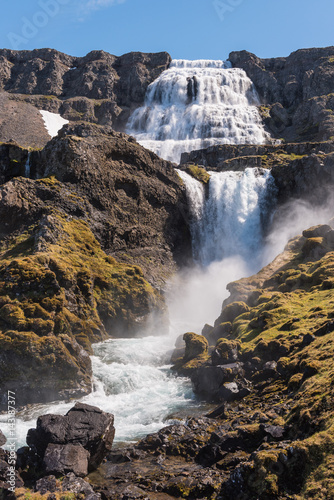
x=98, y=88
x=95, y=195
x=296, y=92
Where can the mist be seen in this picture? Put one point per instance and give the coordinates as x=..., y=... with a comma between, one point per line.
x=196, y=294
x=290, y=220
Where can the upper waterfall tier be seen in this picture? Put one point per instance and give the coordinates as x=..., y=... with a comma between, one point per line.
x=197, y=104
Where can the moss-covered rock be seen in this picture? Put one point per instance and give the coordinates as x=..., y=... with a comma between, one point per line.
x=232, y=311
x=196, y=345
x=198, y=173
x=59, y=292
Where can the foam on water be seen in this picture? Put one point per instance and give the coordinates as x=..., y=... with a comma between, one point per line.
x=131, y=380
x=197, y=104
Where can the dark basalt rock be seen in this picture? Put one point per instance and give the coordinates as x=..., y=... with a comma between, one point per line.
x=99, y=88
x=83, y=425
x=208, y=380
x=64, y=458
x=70, y=484
x=297, y=90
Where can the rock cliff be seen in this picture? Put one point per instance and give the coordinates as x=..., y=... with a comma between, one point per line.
x=296, y=92
x=98, y=88
x=97, y=206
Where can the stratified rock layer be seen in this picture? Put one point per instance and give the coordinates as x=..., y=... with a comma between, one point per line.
x=296, y=92
x=99, y=88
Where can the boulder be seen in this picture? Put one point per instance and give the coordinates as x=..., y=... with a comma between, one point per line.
x=196, y=345
x=83, y=425
x=46, y=484
x=70, y=484
x=226, y=351
x=232, y=391
x=317, y=231
x=219, y=331
x=232, y=311
x=79, y=486
x=64, y=458
x=208, y=380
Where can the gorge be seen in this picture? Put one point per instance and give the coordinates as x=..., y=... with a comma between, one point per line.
x=104, y=234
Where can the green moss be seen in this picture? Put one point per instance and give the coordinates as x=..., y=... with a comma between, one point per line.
x=72, y=289
x=198, y=173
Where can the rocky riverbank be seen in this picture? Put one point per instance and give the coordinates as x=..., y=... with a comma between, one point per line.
x=97, y=206
x=267, y=363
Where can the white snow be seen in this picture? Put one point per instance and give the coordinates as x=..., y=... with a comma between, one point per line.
x=53, y=122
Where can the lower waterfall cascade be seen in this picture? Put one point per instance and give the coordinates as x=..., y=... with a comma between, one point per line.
x=197, y=104
x=231, y=218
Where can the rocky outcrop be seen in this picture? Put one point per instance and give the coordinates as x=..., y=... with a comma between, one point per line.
x=60, y=453
x=98, y=196
x=300, y=170
x=98, y=88
x=71, y=485
x=278, y=348
x=137, y=205
x=296, y=92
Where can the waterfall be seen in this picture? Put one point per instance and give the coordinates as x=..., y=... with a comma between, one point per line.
x=27, y=167
x=231, y=218
x=197, y=104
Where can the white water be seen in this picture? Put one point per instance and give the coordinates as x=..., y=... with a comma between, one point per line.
x=53, y=122
x=230, y=219
x=197, y=104
x=27, y=167
x=132, y=380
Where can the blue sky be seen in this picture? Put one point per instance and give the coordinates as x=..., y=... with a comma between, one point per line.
x=188, y=29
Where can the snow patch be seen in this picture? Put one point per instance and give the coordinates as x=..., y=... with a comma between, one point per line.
x=53, y=122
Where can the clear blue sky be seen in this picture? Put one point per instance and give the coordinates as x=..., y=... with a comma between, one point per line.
x=188, y=29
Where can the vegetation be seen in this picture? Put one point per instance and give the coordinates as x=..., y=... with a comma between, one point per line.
x=198, y=173
x=59, y=290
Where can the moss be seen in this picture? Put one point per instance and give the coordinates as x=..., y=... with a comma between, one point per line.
x=228, y=349
x=72, y=287
x=198, y=173
x=196, y=345
x=50, y=181
x=27, y=494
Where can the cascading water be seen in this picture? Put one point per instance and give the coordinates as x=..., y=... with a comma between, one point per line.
x=27, y=167
x=133, y=381
x=197, y=104
x=230, y=219
x=193, y=104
